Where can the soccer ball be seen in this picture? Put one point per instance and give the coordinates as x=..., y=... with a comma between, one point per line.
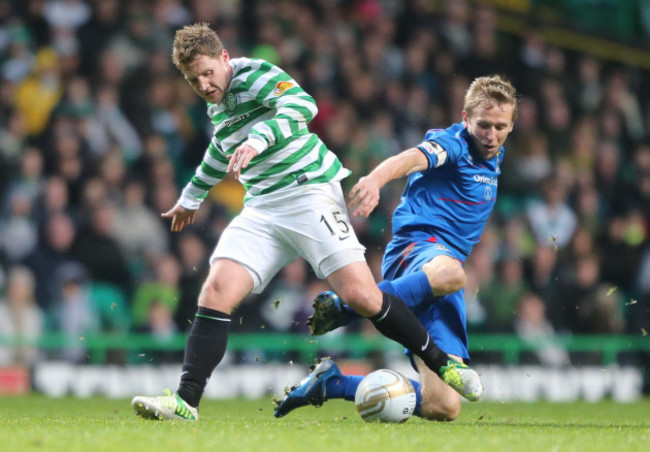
x=385, y=396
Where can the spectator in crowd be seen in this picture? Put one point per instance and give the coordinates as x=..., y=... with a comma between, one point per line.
x=551, y=219
x=20, y=318
x=38, y=94
x=54, y=250
x=162, y=289
x=193, y=256
x=501, y=295
x=18, y=228
x=73, y=314
x=96, y=248
x=161, y=327
x=532, y=326
x=137, y=229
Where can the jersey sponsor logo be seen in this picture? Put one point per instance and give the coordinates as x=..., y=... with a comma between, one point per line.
x=486, y=180
x=282, y=87
x=236, y=119
x=230, y=102
x=488, y=192
x=239, y=118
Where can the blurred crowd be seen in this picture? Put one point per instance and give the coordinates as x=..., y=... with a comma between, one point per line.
x=99, y=133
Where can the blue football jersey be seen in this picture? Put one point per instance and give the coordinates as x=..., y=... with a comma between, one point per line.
x=454, y=197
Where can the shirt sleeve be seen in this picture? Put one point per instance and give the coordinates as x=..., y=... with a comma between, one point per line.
x=294, y=109
x=439, y=147
x=208, y=174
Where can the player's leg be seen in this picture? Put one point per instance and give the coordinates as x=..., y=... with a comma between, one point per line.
x=445, y=320
x=395, y=320
x=245, y=259
x=228, y=282
x=439, y=402
x=416, y=270
x=440, y=276
x=327, y=241
x=323, y=383
x=445, y=274
x=436, y=400
x=451, y=312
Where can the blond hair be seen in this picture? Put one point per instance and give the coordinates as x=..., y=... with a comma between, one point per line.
x=192, y=41
x=489, y=91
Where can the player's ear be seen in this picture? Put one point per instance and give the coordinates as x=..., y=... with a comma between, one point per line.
x=465, y=117
x=225, y=57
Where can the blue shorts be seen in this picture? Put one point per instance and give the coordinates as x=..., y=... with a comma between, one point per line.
x=443, y=317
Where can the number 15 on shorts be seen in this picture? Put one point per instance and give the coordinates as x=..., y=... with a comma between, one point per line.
x=337, y=224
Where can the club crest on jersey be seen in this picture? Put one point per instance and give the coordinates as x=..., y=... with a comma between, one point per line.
x=230, y=102
x=282, y=87
x=488, y=192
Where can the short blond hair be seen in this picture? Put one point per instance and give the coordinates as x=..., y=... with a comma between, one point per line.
x=192, y=41
x=489, y=91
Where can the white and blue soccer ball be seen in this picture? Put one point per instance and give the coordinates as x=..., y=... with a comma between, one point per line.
x=385, y=396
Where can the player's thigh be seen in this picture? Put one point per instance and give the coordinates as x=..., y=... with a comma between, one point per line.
x=252, y=241
x=355, y=284
x=412, y=251
x=318, y=227
x=439, y=401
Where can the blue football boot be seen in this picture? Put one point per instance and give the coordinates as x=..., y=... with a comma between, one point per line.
x=311, y=390
x=329, y=314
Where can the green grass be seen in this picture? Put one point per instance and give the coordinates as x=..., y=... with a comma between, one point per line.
x=36, y=423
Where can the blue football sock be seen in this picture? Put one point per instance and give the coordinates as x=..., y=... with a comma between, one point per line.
x=418, y=398
x=412, y=289
x=345, y=387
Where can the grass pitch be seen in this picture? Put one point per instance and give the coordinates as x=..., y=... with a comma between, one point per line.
x=36, y=423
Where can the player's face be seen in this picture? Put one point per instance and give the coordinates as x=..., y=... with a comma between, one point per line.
x=490, y=127
x=210, y=77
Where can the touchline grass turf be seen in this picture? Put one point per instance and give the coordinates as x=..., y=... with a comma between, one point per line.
x=36, y=423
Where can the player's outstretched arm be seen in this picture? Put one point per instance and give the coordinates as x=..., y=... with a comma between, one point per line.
x=364, y=196
x=180, y=216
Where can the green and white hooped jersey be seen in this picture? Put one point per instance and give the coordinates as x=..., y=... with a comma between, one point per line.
x=265, y=108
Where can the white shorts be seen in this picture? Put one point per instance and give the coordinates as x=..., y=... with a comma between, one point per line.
x=310, y=222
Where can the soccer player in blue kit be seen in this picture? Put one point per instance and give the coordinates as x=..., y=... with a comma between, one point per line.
x=448, y=198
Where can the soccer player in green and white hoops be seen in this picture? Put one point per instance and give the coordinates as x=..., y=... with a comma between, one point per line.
x=293, y=207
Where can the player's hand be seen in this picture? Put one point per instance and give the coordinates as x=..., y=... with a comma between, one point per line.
x=180, y=216
x=240, y=159
x=364, y=197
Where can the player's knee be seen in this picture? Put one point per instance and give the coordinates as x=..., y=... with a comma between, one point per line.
x=208, y=294
x=212, y=296
x=456, y=279
x=447, y=279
